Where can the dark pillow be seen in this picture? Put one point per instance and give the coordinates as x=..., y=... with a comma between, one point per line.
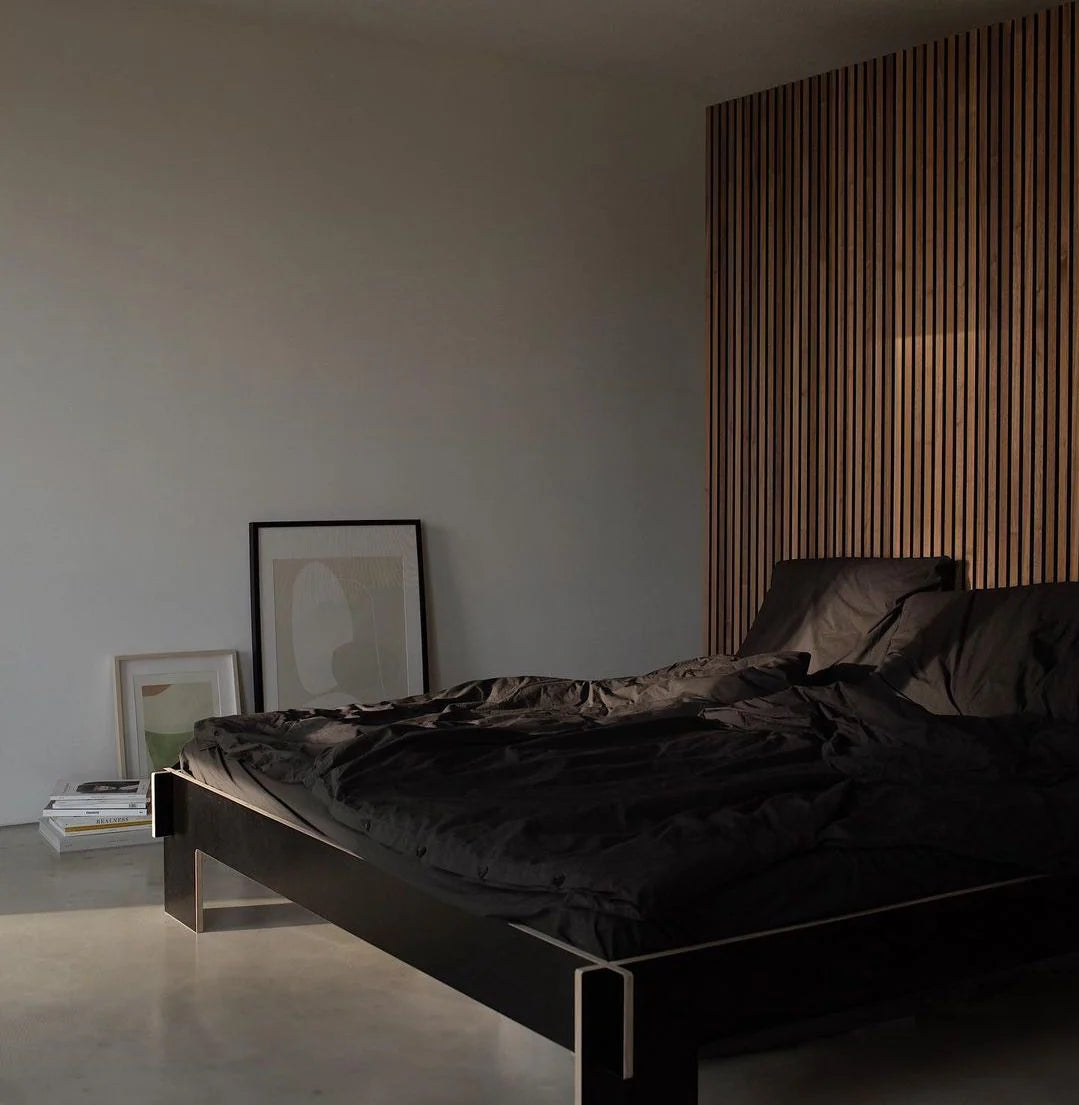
x=1010, y=650
x=841, y=610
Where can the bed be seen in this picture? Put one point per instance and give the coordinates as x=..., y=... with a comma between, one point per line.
x=877, y=799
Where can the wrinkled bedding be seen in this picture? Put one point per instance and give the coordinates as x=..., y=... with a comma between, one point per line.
x=708, y=799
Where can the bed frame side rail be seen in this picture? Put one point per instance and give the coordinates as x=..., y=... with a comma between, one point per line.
x=522, y=975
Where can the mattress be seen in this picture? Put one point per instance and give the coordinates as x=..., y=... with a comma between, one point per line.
x=709, y=800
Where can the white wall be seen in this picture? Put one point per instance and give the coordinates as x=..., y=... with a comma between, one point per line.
x=256, y=271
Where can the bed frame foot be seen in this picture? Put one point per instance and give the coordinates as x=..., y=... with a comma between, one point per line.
x=622, y=1058
x=673, y=1081
x=183, y=861
x=183, y=882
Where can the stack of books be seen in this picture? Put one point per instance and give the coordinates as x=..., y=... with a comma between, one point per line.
x=97, y=813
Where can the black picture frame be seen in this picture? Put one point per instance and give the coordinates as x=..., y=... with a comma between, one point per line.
x=256, y=532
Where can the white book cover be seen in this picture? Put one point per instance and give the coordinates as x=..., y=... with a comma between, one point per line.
x=102, y=792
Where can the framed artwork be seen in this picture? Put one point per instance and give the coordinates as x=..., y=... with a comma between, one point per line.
x=337, y=613
x=160, y=696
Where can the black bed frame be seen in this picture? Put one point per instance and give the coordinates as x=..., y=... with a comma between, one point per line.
x=635, y=1025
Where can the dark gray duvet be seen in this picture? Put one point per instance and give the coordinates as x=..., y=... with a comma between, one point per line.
x=712, y=798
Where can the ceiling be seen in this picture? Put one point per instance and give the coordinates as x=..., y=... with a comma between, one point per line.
x=722, y=48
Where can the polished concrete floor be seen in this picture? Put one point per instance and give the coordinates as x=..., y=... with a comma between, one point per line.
x=104, y=999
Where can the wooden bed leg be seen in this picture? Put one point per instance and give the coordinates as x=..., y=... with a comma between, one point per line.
x=183, y=861
x=622, y=1059
x=183, y=882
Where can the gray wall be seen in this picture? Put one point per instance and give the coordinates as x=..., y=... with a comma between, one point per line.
x=250, y=270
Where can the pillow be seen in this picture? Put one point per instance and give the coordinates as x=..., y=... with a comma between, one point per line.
x=840, y=610
x=1009, y=650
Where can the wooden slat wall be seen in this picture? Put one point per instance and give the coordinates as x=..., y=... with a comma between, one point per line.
x=893, y=362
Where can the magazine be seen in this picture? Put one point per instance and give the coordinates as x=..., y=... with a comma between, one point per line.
x=68, y=821
x=102, y=793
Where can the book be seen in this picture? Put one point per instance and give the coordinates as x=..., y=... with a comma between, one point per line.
x=52, y=809
x=100, y=823
x=79, y=842
x=95, y=793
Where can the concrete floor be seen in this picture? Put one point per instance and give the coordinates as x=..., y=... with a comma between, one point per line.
x=104, y=999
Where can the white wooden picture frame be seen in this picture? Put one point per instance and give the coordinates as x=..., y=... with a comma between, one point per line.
x=160, y=696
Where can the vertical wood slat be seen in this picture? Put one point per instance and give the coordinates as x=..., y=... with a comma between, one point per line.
x=893, y=312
